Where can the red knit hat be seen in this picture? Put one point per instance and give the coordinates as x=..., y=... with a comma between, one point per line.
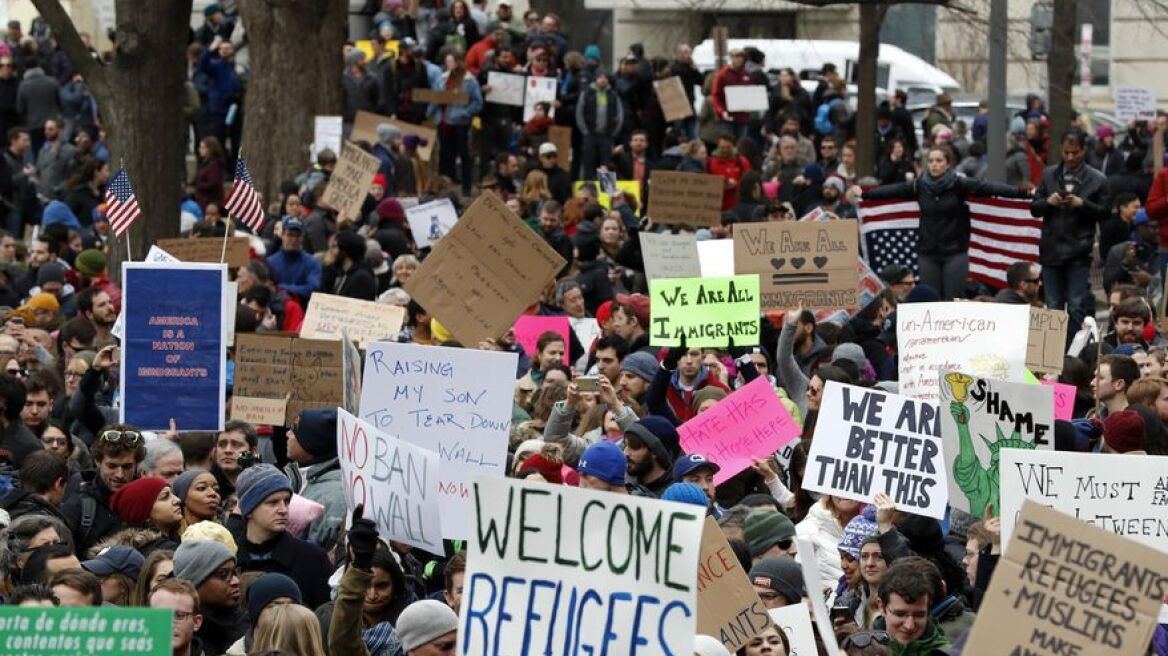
x=379, y=180
x=135, y=500
x=546, y=464
x=604, y=312
x=1124, y=431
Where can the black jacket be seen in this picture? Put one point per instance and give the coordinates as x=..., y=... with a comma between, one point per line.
x=20, y=502
x=562, y=244
x=594, y=284
x=1069, y=232
x=104, y=521
x=303, y=562
x=221, y=628
x=357, y=282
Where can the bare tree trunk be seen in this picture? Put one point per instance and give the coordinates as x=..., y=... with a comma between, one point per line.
x=295, y=56
x=1060, y=66
x=871, y=17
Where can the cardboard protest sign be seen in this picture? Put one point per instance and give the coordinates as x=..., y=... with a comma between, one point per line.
x=1063, y=587
x=208, y=249
x=326, y=133
x=96, y=631
x=670, y=256
x=175, y=345
x=671, y=95
x=728, y=607
x=349, y=184
x=617, y=570
x=869, y=441
x=693, y=199
x=455, y=402
x=813, y=263
x=277, y=376
x=982, y=339
x=365, y=129
x=350, y=375
x=561, y=136
x=537, y=90
x=980, y=418
x=528, y=329
x=814, y=585
x=717, y=257
x=441, y=96
x=795, y=622
x=749, y=423
x=506, y=88
x=484, y=272
x=747, y=98
x=327, y=315
x=430, y=221
x=1064, y=399
x=1047, y=340
x=707, y=311
x=396, y=481
x=1134, y=104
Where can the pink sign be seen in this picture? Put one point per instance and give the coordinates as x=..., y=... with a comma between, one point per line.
x=1064, y=399
x=529, y=327
x=750, y=423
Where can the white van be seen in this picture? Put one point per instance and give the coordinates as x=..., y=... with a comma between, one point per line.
x=896, y=68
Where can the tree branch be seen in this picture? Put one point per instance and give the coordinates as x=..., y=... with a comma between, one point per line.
x=70, y=41
x=948, y=4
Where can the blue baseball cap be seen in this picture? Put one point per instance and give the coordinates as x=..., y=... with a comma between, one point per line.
x=687, y=464
x=1141, y=217
x=292, y=223
x=119, y=559
x=604, y=460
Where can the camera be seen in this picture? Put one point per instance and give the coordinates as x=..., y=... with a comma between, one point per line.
x=246, y=459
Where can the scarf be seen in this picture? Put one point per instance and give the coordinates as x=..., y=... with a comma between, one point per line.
x=938, y=186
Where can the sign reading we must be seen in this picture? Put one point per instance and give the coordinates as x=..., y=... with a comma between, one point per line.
x=707, y=311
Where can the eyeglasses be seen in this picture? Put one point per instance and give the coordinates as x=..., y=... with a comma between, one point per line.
x=132, y=438
x=861, y=639
x=183, y=615
x=226, y=573
x=73, y=374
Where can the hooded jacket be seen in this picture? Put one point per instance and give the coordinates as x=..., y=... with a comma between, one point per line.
x=320, y=481
x=932, y=643
x=1068, y=232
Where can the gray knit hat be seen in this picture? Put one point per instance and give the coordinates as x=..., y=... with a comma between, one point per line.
x=258, y=483
x=640, y=364
x=195, y=561
x=424, y=621
x=781, y=574
x=387, y=132
x=181, y=485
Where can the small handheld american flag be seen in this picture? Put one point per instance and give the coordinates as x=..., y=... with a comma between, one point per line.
x=121, y=205
x=245, y=203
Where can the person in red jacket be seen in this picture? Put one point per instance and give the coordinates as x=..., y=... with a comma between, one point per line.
x=477, y=53
x=732, y=74
x=726, y=162
x=1157, y=209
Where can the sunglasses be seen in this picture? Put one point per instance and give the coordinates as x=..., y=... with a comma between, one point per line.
x=133, y=438
x=861, y=639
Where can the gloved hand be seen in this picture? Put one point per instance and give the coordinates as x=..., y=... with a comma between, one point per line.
x=674, y=355
x=737, y=352
x=362, y=539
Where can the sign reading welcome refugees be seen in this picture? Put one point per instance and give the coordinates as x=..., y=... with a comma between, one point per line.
x=553, y=569
x=707, y=311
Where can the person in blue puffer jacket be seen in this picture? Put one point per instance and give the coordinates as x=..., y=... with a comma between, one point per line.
x=295, y=272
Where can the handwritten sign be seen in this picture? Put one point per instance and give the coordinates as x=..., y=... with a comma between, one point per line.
x=1047, y=340
x=208, y=249
x=693, y=199
x=1063, y=587
x=747, y=98
x=717, y=257
x=813, y=263
x=529, y=328
x=484, y=272
x=671, y=95
x=795, y=622
x=749, y=423
x=1064, y=399
x=440, y=96
x=349, y=184
x=455, y=402
x=326, y=133
x=981, y=417
x=982, y=339
x=670, y=256
x=707, y=311
x=728, y=607
x=1134, y=104
x=615, y=570
x=276, y=377
x=429, y=222
x=350, y=375
x=506, y=88
x=366, y=321
x=868, y=441
x=365, y=129
x=396, y=481
x=537, y=90
x=175, y=345
x=100, y=631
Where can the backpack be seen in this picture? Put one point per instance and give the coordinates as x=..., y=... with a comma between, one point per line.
x=823, y=124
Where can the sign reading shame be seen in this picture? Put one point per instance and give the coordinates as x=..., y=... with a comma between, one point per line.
x=868, y=441
x=553, y=569
x=728, y=607
x=1063, y=587
x=397, y=482
x=979, y=418
x=706, y=311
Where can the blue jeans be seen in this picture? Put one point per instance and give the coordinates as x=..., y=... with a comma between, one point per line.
x=1068, y=287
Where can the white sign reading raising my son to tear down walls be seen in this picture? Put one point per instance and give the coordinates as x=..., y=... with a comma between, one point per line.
x=455, y=402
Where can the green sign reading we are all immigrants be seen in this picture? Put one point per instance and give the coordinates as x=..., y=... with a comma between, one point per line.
x=46, y=631
x=709, y=312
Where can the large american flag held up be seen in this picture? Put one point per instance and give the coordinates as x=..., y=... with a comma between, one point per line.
x=245, y=203
x=121, y=205
x=1002, y=232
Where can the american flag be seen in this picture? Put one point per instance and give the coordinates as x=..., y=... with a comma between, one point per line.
x=1002, y=232
x=121, y=205
x=245, y=203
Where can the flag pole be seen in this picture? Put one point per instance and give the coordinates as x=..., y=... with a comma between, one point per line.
x=227, y=232
x=126, y=235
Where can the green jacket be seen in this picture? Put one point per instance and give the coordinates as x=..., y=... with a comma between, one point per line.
x=932, y=643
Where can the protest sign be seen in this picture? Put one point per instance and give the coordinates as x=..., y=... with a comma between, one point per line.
x=528, y=329
x=1047, y=341
x=587, y=331
x=537, y=90
x=716, y=257
x=816, y=590
x=484, y=272
x=396, y=481
x=619, y=572
x=561, y=136
x=982, y=339
x=278, y=376
x=326, y=133
x=981, y=417
x=1064, y=399
x=455, y=402
x=670, y=256
x=99, y=631
x=869, y=441
x=350, y=374
x=505, y=88
x=441, y=96
x=671, y=95
x=430, y=221
x=603, y=198
x=365, y=129
x=707, y=311
x=749, y=423
x=1063, y=587
x=747, y=98
x=813, y=263
x=349, y=184
x=728, y=607
x=693, y=199
x=175, y=345
x=207, y=249
x=1134, y=104
x=795, y=622
x=366, y=321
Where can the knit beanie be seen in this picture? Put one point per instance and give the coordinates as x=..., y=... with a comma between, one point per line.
x=43, y=301
x=764, y=528
x=705, y=394
x=387, y=132
x=317, y=432
x=208, y=531
x=528, y=447
x=257, y=483
x=390, y=211
x=182, y=484
x=781, y=574
x=268, y=588
x=1124, y=431
x=859, y=529
x=640, y=364
x=660, y=436
x=546, y=463
x=50, y=272
x=604, y=460
x=133, y=502
x=686, y=493
x=853, y=352
x=90, y=263
x=424, y=621
x=196, y=560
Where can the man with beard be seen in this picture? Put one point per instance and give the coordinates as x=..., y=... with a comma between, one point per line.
x=651, y=446
x=551, y=227
x=833, y=200
x=1127, y=323
x=94, y=304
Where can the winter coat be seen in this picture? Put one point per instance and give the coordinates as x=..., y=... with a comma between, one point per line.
x=1157, y=206
x=360, y=94
x=51, y=163
x=321, y=483
x=296, y=272
x=303, y=562
x=145, y=540
x=209, y=183
x=825, y=534
x=221, y=628
x=559, y=426
x=464, y=113
x=599, y=112
x=104, y=521
x=728, y=77
x=730, y=168
x=356, y=282
x=21, y=502
x=1067, y=232
x=223, y=85
x=38, y=98
x=594, y=284
x=932, y=643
